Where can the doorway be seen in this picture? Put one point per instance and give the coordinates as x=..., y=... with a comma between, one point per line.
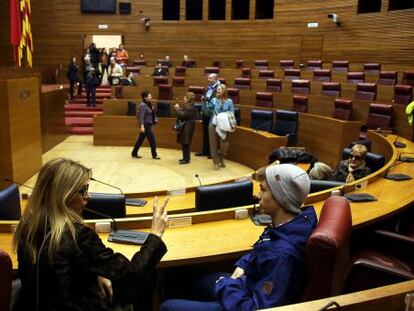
x=103, y=41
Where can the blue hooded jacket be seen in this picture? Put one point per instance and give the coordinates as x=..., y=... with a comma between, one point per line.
x=275, y=271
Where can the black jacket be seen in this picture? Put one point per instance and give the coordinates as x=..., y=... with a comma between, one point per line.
x=72, y=73
x=69, y=282
x=341, y=172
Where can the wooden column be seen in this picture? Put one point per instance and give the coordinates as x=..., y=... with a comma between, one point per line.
x=20, y=135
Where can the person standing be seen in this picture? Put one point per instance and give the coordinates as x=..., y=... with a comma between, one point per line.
x=94, y=55
x=146, y=118
x=187, y=115
x=219, y=141
x=207, y=111
x=114, y=72
x=92, y=79
x=122, y=55
x=73, y=78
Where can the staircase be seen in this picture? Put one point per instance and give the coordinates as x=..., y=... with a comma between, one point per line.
x=79, y=117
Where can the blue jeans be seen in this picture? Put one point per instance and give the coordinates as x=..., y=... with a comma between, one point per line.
x=201, y=295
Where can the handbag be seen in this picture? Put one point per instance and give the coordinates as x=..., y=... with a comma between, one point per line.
x=178, y=126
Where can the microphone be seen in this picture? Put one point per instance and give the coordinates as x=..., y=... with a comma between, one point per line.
x=114, y=227
x=406, y=159
x=17, y=183
x=104, y=183
x=199, y=181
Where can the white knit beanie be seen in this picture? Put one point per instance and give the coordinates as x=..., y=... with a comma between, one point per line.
x=289, y=184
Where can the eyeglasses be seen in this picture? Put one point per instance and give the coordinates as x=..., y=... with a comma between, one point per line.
x=355, y=157
x=84, y=190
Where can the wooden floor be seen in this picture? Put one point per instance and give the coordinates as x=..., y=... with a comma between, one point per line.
x=115, y=165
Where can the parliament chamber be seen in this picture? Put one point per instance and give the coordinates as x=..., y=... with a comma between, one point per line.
x=259, y=52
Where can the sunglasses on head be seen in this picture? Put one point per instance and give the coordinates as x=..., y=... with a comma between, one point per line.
x=355, y=157
x=84, y=190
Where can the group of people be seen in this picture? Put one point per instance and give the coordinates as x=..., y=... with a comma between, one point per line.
x=347, y=170
x=96, y=64
x=64, y=265
x=217, y=117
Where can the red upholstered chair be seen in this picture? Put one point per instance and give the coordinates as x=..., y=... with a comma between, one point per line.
x=403, y=94
x=408, y=78
x=264, y=99
x=372, y=67
x=266, y=74
x=165, y=91
x=384, y=256
x=331, y=89
x=243, y=83
x=274, y=85
x=355, y=77
x=300, y=103
x=342, y=109
x=178, y=81
x=291, y=74
x=160, y=80
x=197, y=90
x=134, y=69
x=388, y=77
x=234, y=94
x=208, y=70
x=287, y=64
x=327, y=250
x=324, y=75
x=239, y=63
x=379, y=116
x=217, y=63
x=300, y=86
x=180, y=71
x=314, y=64
x=223, y=80
x=140, y=62
x=246, y=72
x=367, y=91
x=261, y=64
x=6, y=275
x=340, y=65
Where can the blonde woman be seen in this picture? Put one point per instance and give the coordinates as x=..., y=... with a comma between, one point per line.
x=219, y=143
x=355, y=167
x=320, y=171
x=63, y=264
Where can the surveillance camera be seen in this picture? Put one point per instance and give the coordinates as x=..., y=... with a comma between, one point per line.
x=334, y=17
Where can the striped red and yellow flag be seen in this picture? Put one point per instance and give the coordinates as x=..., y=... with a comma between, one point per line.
x=26, y=41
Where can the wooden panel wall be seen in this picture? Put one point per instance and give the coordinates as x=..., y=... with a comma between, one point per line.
x=386, y=37
x=6, y=52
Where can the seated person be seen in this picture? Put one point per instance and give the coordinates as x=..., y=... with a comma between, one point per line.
x=354, y=168
x=167, y=62
x=159, y=71
x=273, y=273
x=128, y=80
x=320, y=171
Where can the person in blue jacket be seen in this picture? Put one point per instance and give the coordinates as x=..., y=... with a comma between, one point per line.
x=273, y=273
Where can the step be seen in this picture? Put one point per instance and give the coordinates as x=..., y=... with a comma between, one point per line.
x=79, y=122
x=82, y=114
x=83, y=107
x=83, y=101
x=100, y=95
x=81, y=130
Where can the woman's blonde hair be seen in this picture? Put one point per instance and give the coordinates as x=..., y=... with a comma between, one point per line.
x=190, y=97
x=58, y=183
x=360, y=150
x=320, y=171
x=224, y=94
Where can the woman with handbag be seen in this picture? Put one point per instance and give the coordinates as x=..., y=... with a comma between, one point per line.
x=219, y=140
x=146, y=118
x=185, y=125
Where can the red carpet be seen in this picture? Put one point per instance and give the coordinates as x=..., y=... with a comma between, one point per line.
x=79, y=117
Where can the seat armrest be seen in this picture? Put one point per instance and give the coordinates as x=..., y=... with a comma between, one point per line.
x=393, y=237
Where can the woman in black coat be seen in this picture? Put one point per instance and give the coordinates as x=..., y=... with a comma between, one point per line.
x=63, y=264
x=186, y=115
x=73, y=78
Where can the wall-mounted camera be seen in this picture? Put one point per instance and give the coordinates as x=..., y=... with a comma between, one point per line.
x=146, y=22
x=335, y=18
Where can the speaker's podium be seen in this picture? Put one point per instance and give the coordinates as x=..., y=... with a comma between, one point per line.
x=20, y=132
